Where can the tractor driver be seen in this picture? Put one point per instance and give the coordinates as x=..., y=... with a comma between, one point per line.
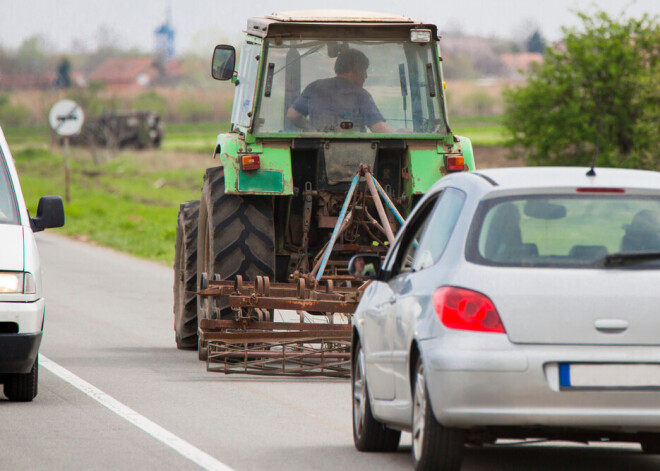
x=340, y=101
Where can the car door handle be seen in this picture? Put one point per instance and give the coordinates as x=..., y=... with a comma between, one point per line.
x=392, y=299
x=611, y=326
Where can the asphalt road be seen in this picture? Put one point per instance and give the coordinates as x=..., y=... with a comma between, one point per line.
x=115, y=393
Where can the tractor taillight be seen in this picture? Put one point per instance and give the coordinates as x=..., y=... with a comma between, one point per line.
x=464, y=309
x=455, y=163
x=250, y=162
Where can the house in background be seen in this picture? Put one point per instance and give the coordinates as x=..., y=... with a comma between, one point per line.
x=26, y=81
x=518, y=64
x=125, y=75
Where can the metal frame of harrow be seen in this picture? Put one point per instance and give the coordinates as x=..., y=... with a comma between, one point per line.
x=255, y=344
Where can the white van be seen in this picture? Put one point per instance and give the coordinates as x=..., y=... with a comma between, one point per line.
x=21, y=303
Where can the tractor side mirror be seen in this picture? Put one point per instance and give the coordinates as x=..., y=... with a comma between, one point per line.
x=224, y=60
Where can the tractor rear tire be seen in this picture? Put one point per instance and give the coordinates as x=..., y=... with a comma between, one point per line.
x=236, y=236
x=185, y=276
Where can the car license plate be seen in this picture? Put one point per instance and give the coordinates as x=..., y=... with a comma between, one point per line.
x=609, y=376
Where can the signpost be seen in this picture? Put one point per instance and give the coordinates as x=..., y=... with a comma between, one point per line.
x=66, y=119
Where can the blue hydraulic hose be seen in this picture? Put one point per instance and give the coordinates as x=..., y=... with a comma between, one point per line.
x=388, y=201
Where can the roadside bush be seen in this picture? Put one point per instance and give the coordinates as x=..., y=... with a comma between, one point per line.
x=595, y=96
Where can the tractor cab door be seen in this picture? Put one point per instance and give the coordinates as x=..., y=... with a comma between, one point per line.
x=248, y=68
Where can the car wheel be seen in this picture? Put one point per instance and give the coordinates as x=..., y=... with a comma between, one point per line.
x=433, y=446
x=23, y=387
x=368, y=433
x=651, y=444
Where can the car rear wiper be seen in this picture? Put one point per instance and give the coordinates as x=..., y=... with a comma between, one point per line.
x=630, y=258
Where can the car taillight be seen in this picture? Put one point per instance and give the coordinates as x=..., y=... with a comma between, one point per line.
x=250, y=162
x=455, y=163
x=459, y=308
x=600, y=190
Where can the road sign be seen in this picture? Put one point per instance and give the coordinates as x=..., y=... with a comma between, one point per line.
x=66, y=117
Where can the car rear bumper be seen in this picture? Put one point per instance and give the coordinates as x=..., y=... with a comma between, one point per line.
x=18, y=352
x=503, y=384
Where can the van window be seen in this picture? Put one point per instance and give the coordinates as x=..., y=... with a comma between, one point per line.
x=8, y=212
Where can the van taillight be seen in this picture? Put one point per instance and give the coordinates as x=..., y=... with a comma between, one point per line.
x=459, y=308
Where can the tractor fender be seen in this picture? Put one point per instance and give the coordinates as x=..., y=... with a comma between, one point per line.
x=274, y=176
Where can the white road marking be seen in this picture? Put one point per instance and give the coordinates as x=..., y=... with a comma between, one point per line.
x=179, y=445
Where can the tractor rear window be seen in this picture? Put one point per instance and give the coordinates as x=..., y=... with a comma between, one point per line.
x=350, y=87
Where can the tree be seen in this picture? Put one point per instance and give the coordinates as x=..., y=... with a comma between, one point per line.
x=63, y=79
x=536, y=43
x=31, y=55
x=596, y=94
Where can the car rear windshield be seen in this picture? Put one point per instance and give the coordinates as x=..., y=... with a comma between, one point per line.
x=566, y=231
x=8, y=211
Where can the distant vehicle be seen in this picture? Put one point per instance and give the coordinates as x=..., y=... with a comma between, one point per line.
x=514, y=303
x=21, y=302
x=136, y=129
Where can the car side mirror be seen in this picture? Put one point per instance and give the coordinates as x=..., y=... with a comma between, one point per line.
x=366, y=266
x=50, y=213
x=224, y=60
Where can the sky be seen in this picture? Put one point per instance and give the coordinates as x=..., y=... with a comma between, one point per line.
x=200, y=24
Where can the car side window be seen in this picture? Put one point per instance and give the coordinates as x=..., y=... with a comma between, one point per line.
x=436, y=232
x=402, y=255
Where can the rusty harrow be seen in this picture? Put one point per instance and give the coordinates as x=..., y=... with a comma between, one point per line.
x=254, y=343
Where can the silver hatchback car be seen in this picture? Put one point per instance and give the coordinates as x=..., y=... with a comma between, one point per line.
x=514, y=303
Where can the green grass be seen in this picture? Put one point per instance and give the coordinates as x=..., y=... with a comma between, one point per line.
x=483, y=131
x=26, y=136
x=119, y=204
x=192, y=137
x=122, y=204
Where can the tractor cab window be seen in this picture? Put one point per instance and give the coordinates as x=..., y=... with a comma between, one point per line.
x=349, y=87
x=247, y=74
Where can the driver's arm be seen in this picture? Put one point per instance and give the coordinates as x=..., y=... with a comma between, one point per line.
x=298, y=119
x=380, y=126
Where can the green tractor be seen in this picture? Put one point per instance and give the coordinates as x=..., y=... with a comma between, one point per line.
x=315, y=97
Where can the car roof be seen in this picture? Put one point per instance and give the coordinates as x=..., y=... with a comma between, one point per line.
x=521, y=178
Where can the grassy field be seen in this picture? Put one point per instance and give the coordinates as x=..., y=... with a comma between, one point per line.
x=483, y=131
x=130, y=203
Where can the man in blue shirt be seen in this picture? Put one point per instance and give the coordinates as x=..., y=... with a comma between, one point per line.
x=340, y=102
